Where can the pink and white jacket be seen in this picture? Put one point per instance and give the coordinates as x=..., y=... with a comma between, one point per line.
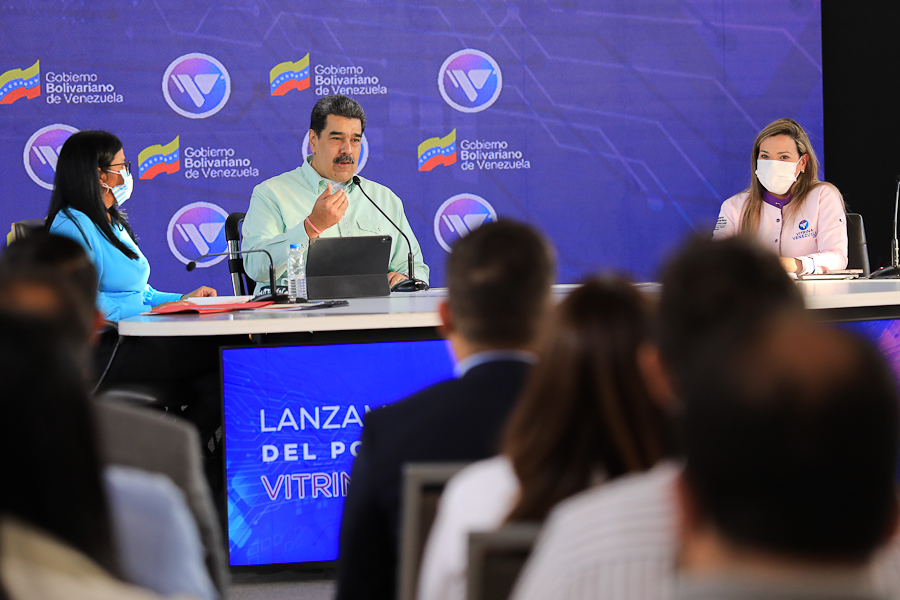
x=816, y=235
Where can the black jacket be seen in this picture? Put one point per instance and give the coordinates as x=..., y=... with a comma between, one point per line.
x=453, y=421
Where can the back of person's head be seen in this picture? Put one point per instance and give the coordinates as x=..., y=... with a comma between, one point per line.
x=57, y=255
x=498, y=280
x=585, y=410
x=76, y=184
x=43, y=294
x=713, y=285
x=49, y=462
x=791, y=439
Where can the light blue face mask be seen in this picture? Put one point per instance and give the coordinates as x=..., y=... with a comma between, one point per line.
x=122, y=192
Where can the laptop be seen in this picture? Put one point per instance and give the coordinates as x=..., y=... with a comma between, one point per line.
x=348, y=267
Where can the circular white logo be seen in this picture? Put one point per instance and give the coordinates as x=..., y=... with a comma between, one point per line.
x=470, y=80
x=196, y=85
x=198, y=229
x=42, y=152
x=459, y=216
x=363, y=152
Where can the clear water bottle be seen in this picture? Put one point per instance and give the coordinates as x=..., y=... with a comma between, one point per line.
x=296, y=274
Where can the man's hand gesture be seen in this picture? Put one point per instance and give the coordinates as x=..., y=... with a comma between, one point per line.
x=327, y=211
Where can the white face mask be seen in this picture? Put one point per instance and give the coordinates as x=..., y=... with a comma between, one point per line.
x=777, y=176
x=122, y=192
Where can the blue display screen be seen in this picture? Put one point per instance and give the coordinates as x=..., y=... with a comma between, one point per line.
x=293, y=420
x=884, y=333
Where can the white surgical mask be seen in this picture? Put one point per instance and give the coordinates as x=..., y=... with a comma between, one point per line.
x=122, y=192
x=777, y=176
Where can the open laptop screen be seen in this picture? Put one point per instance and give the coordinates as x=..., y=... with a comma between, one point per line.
x=293, y=420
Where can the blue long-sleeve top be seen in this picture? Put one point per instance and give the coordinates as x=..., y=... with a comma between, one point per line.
x=123, y=290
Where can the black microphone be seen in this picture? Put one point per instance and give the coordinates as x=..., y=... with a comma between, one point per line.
x=407, y=285
x=272, y=295
x=892, y=272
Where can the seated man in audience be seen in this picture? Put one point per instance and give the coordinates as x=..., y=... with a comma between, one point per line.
x=498, y=280
x=788, y=484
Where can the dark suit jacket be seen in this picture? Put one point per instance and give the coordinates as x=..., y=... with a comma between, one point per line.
x=454, y=421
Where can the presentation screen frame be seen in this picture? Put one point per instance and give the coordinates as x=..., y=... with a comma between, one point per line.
x=303, y=343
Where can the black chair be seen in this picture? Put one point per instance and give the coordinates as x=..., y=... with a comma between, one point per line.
x=496, y=558
x=240, y=282
x=22, y=229
x=423, y=484
x=857, y=249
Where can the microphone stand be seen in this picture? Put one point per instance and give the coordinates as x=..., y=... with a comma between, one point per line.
x=892, y=272
x=409, y=285
x=271, y=296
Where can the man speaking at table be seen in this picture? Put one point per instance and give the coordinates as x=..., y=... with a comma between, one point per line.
x=321, y=199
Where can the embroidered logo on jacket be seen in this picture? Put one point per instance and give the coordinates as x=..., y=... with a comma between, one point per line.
x=805, y=231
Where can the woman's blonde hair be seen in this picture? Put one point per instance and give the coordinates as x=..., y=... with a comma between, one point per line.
x=807, y=180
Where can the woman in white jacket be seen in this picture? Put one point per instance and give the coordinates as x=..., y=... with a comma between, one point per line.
x=786, y=207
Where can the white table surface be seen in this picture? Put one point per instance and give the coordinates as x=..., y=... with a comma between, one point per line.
x=419, y=309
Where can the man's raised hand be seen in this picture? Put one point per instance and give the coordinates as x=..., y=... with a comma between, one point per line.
x=327, y=211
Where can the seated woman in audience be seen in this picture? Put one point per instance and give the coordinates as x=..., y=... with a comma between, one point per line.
x=56, y=536
x=585, y=417
x=92, y=181
x=801, y=219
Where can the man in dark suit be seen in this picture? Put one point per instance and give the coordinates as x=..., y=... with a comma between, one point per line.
x=498, y=280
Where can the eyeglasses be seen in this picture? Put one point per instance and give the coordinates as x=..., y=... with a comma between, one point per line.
x=126, y=164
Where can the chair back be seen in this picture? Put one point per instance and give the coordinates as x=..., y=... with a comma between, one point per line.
x=496, y=558
x=24, y=228
x=142, y=438
x=423, y=484
x=857, y=249
x=235, y=261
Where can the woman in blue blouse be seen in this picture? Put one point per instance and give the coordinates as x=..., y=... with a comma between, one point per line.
x=92, y=180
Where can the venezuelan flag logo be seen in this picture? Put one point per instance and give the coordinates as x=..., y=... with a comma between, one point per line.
x=288, y=76
x=437, y=151
x=157, y=159
x=20, y=83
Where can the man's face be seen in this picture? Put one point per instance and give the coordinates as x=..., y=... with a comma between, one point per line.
x=335, y=153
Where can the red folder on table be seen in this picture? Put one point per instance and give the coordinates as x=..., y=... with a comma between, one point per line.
x=205, y=309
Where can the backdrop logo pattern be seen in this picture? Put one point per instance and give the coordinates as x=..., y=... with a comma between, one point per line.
x=42, y=152
x=20, y=83
x=198, y=228
x=196, y=85
x=363, y=152
x=437, y=151
x=159, y=158
x=470, y=80
x=288, y=76
x=460, y=215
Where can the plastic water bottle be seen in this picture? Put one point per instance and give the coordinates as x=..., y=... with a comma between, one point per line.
x=296, y=274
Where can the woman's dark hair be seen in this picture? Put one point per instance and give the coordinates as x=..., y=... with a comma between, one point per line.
x=77, y=184
x=585, y=411
x=49, y=462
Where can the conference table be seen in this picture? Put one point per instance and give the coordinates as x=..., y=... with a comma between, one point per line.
x=414, y=315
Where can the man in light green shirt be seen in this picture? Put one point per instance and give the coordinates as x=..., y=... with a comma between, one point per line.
x=319, y=199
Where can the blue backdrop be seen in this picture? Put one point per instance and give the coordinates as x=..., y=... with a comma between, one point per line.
x=615, y=127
